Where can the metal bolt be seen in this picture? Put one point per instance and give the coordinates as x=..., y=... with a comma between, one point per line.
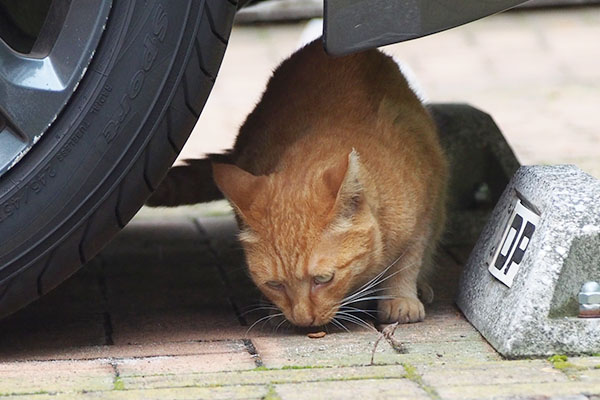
x=589, y=300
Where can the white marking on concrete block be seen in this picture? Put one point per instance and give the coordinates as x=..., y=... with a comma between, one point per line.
x=518, y=232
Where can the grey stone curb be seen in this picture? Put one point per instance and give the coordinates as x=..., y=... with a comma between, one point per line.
x=537, y=316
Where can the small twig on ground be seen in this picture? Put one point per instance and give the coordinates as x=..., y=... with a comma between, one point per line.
x=388, y=334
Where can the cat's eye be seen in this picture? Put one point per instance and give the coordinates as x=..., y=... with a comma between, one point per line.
x=323, y=279
x=274, y=285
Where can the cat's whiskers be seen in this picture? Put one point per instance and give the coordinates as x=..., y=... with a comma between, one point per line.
x=270, y=308
x=359, y=310
x=352, y=299
x=283, y=321
x=354, y=319
x=373, y=281
x=266, y=319
x=339, y=324
x=385, y=297
x=377, y=279
x=368, y=286
x=260, y=302
x=367, y=293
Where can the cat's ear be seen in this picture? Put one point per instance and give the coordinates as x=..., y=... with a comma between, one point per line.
x=239, y=186
x=343, y=183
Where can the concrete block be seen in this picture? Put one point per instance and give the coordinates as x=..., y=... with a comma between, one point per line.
x=481, y=165
x=536, y=313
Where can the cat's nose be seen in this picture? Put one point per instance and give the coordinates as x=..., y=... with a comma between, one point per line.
x=308, y=321
x=303, y=319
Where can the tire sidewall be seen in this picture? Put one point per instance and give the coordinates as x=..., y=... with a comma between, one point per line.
x=83, y=156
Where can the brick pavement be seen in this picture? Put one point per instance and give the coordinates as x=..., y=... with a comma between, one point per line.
x=160, y=313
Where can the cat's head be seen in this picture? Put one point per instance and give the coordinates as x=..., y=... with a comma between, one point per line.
x=309, y=236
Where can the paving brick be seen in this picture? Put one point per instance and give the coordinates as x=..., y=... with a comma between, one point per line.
x=468, y=351
x=436, y=333
x=444, y=281
x=39, y=339
x=585, y=361
x=177, y=325
x=221, y=230
x=589, y=375
x=172, y=296
x=80, y=295
x=116, y=352
x=362, y=389
x=332, y=350
x=264, y=377
x=247, y=392
x=453, y=373
x=184, y=365
x=178, y=282
x=355, y=348
x=444, y=334
x=55, y=376
x=215, y=393
x=519, y=390
x=149, y=233
x=508, y=379
x=71, y=315
x=159, y=261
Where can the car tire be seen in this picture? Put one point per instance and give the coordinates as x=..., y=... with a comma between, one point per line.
x=112, y=143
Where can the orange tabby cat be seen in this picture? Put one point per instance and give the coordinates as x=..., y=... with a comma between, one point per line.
x=335, y=176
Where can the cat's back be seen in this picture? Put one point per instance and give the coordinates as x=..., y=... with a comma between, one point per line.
x=314, y=81
x=315, y=97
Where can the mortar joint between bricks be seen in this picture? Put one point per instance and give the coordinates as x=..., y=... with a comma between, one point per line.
x=117, y=382
x=107, y=320
x=213, y=252
x=253, y=353
x=413, y=375
x=222, y=274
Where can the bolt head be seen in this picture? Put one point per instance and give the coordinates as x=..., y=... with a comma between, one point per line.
x=589, y=293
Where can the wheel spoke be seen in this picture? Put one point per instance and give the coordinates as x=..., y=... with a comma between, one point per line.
x=11, y=146
x=35, y=87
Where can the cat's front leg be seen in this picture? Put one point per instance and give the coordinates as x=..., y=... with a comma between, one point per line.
x=403, y=306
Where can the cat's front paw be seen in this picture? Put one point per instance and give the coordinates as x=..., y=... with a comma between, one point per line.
x=400, y=309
